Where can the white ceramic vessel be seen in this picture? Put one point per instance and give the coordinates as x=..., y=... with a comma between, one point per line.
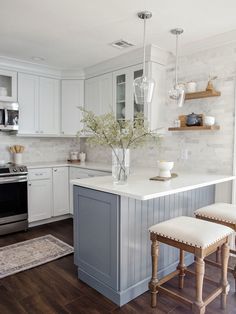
x=208, y=120
x=165, y=168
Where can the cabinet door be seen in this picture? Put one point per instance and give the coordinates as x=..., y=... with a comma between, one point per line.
x=105, y=93
x=39, y=199
x=92, y=95
x=60, y=191
x=72, y=93
x=121, y=94
x=49, y=104
x=8, y=83
x=136, y=108
x=96, y=234
x=28, y=93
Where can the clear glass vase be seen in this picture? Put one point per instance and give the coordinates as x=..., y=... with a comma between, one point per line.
x=120, y=165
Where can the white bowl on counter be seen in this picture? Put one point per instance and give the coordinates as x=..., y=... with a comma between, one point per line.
x=209, y=121
x=165, y=168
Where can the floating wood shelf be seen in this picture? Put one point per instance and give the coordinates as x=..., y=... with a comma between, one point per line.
x=196, y=128
x=202, y=94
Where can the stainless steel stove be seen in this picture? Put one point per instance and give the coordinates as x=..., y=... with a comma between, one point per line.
x=13, y=198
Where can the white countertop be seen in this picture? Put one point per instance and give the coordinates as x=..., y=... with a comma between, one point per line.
x=85, y=165
x=140, y=187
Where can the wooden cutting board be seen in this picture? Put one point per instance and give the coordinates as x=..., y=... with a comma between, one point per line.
x=158, y=178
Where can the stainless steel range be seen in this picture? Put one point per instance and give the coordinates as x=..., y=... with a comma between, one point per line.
x=13, y=198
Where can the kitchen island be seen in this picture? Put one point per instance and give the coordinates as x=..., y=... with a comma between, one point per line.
x=111, y=240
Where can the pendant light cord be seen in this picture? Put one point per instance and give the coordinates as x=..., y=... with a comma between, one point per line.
x=144, y=46
x=176, y=60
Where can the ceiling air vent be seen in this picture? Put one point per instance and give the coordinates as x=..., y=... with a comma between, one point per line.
x=121, y=44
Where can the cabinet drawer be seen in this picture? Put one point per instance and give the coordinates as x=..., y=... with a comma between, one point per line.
x=40, y=173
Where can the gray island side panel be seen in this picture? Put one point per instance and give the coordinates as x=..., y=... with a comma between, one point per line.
x=128, y=237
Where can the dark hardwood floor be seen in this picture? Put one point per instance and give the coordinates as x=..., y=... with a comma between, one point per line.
x=54, y=287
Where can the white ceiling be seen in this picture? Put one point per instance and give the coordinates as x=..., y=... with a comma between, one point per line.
x=76, y=33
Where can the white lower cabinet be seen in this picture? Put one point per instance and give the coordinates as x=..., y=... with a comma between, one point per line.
x=39, y=199
x=49, y=191
x=60, y=180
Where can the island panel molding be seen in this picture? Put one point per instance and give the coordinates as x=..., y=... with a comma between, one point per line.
x=126, y=253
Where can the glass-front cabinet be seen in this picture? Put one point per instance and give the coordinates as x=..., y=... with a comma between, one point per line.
x=137, y=107
x=8, y=86
x=121, y=96
x=123, y=93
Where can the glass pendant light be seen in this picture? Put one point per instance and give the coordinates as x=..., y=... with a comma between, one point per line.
x=177, y=92
x=144, y=86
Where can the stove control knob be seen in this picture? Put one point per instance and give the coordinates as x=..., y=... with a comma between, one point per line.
x=22, y=169
x=14, y=170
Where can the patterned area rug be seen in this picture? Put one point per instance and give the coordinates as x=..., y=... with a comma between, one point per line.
x=28, y=254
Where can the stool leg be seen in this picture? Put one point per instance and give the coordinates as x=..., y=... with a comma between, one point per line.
x=234, y=274
x=224, y=268
x=181, y=267
x=198, y=306
x=154, y=280
x=218, y=255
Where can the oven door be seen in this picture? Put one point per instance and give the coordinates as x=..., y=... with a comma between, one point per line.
x=13, y=199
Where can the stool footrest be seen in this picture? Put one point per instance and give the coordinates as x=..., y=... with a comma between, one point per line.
x=191, y=272
x=168, y=277
x=176, y=296
x=213, y=295
x=212, y=263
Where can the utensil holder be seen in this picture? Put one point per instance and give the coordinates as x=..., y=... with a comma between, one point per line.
x=17, y=158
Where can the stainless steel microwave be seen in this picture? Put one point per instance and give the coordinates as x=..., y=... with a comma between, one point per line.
x=9, y=116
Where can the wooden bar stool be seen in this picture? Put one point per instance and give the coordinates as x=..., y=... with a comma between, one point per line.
x=200, y=238
x=223, y=214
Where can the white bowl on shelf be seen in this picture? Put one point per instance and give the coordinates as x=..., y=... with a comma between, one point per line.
x=165, y=168
x=209, y=121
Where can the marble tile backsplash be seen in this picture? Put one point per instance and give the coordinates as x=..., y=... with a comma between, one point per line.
x=38, y=149
x=198, y=151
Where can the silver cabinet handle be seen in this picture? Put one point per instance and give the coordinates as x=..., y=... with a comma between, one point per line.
x=6, y=117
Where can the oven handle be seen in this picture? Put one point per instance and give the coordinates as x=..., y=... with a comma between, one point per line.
x=13, y=180
x=6, y=117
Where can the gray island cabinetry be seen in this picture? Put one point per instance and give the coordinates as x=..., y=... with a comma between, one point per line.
x=111, y=239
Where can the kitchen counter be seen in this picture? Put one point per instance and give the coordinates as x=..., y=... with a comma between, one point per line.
x=111, y=239
x=85, y=165
x=141, y=188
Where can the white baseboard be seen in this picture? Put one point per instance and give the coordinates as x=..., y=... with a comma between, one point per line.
x=49, y=220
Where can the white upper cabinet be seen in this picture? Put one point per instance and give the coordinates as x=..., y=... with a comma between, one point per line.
x=49, y=105
x=8, y=86
x=28, y=95
x=98, y=94
x=39, y=105
x=123, y=93
x=72, y=97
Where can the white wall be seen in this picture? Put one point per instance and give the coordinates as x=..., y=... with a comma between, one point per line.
x=207, y=151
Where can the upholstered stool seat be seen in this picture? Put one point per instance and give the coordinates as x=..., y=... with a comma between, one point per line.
x=194, y=236
x=187, y=230
x=223, y=214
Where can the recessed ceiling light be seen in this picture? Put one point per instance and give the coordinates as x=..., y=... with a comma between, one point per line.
x=35, y=58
